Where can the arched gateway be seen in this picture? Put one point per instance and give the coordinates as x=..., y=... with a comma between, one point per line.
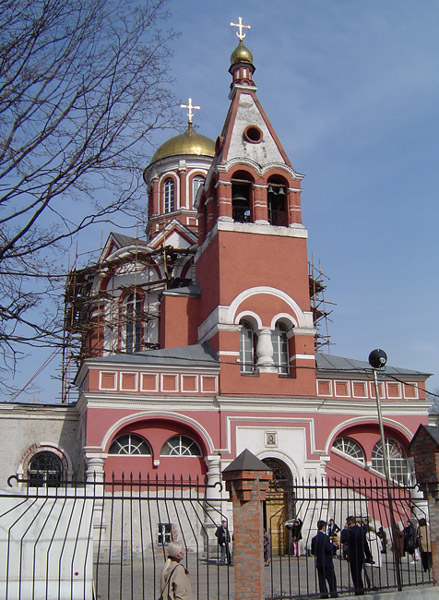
x=279, y=505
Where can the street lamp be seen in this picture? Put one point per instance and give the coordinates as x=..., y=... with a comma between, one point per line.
x=378, y=360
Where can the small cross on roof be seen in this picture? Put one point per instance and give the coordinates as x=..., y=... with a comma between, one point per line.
x=191, y=108
x=240, y=26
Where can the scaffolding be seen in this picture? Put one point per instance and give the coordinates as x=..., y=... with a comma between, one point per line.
x=91, y=311
x=319, y=305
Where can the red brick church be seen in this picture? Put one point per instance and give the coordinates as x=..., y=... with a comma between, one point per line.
x=198, y=340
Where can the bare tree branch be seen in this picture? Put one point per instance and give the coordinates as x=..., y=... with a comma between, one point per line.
x=83, y=86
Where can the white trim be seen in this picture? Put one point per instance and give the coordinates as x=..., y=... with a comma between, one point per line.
x=215, y=390
x=365, y=386
x=136, y=381
x=182, y=377
x=348, y=388
x=415, y=386
x=160, y=415
x=115, y=378
x=331, y=391
x=359, y=421
x=228, y=353
x=291, y=320
x=303, y=357
x=169, y=375
x=304, y=317
x=252, y=316
x=156, y=377
x=392, y=383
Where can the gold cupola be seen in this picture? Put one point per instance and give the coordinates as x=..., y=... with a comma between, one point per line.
x=188, y=142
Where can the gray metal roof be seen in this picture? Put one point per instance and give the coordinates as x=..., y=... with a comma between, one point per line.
x=196, y=356
x=433, y=430
x=126, y=240
x=247, y=461
x=328, y=362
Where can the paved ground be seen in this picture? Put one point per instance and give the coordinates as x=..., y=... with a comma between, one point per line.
x=284, y=578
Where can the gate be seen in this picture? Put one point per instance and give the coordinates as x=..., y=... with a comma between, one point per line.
x=293, y=576
x=107, y=540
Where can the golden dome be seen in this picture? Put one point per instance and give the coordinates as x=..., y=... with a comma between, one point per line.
x=241, y=54
x=189, y=142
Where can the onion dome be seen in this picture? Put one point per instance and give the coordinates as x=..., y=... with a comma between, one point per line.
x=241, y=54
x=188, y=142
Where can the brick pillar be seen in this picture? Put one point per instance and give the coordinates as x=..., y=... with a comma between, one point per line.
x=425, y=450
x=247, y=479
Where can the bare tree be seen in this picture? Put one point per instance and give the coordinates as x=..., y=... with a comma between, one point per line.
x=83, y=85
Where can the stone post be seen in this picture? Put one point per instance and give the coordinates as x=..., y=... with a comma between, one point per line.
x=247, y=479
x=425, y=450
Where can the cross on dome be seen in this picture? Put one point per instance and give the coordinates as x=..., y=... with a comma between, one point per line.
x=240, y=26
x=191, y=108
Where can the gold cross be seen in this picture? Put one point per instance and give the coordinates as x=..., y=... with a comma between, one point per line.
x=190, y=106
x=240, y=26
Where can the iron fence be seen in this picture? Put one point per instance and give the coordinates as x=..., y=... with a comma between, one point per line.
x=107, y=539
x=303, y=504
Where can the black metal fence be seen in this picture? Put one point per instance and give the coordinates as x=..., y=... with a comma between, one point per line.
x=107, y=540
x=390, y=564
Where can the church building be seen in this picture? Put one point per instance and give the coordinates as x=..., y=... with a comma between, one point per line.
x=198, y=341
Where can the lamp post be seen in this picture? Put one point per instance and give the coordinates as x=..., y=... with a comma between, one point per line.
x=378, y=360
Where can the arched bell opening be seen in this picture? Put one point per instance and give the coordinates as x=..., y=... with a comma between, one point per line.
x=277, y=201
x=242, y=197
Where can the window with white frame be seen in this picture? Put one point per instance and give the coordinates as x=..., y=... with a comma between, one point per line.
x=197, y=182
x=349, y=447
x=169, y=195
x=130, y=444
x=132, y=322
x=247, y=347
x=165, y=533
x=399, y=464
x=279, y=339
x=180, y=445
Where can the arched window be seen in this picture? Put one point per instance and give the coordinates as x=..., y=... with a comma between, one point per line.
x=132, y=322
x=277, y=203
x=399, y=465
x=180, y=445
x=130, y=444
x=279, y=340
x=241, y=194
x=197, y=182
x=349, y=447
x=45, y=469
x=247, y=347
x=169, y=195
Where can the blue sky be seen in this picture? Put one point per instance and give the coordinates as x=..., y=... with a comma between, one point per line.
x=352, y=90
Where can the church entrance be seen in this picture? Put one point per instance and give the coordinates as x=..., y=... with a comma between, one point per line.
x=279, y=506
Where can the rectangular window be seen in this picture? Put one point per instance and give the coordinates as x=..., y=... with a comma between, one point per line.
x=165, y=533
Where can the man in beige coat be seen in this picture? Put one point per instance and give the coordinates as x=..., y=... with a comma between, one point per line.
x=175, y=584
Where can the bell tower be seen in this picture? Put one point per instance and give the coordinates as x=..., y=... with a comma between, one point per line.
x=251, y=263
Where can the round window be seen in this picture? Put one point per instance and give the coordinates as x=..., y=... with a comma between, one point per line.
x=253, y=134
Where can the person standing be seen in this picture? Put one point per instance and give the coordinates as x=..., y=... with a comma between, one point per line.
x=383, y=537
x=323, y=550
x=267, y=548
x=410, y=540
x=296, y=535
x=355, y=538
x=425, y=544
x=175, y=584
x=223, y=535
x=372, y=567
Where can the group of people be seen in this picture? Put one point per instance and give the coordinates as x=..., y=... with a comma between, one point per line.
x=360, y=546
x=411, y=541
x=359, y=543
